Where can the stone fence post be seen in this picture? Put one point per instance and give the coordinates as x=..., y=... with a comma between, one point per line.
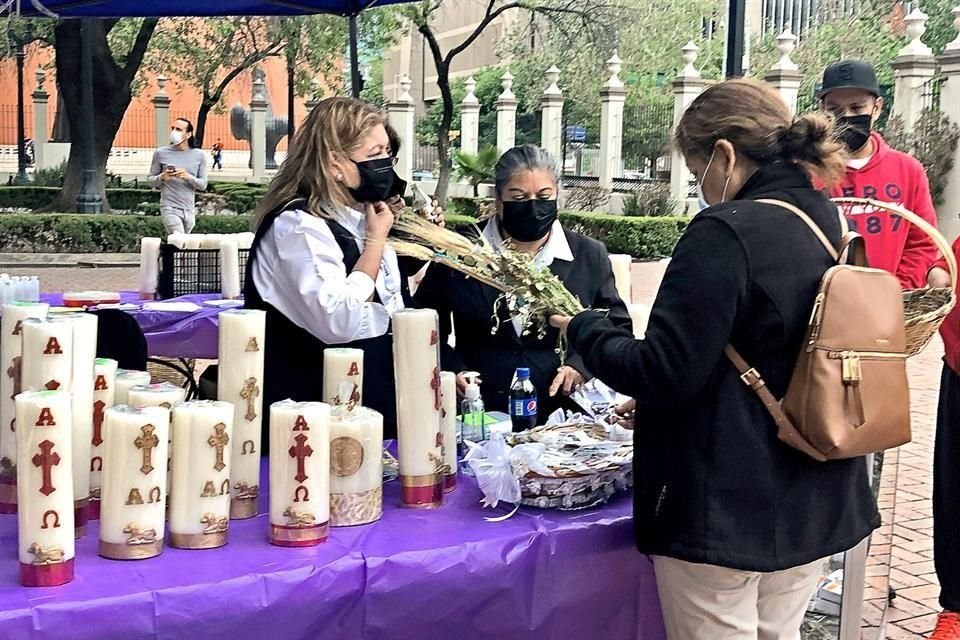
x=612, y=98
x=686, y=87
x=551, y=113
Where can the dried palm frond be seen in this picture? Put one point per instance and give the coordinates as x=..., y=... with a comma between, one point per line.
x=530, y=292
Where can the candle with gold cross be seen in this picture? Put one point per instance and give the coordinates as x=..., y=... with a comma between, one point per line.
x=134, y=499
x=343, y=376
x=242, y=334
x=356, y=466
x=299, y=473
x=448, y=428
x=200, y=491
x=161, y=394
x=44, y=488
x=416, y=364
x=104, y=394
x=11, y=350
x=126, y=380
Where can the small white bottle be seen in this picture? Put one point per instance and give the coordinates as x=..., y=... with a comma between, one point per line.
x=34, y=289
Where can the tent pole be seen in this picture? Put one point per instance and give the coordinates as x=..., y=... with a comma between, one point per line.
x=88, y=199
x=736, y=16
x=354, y=62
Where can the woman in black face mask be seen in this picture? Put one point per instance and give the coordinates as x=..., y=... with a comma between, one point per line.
x=319, y=265
x=526, y=220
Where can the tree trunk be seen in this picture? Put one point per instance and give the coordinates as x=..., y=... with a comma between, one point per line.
x=443, y=132
x=198, y=131
x=112, y=94
x=61, y=126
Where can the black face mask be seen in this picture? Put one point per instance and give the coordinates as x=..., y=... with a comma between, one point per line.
x=528, y=220
x=398, y=188
x=854, y=131
x=376, y=180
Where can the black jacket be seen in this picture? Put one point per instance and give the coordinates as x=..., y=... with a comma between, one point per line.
x=712, y=482
x=496, y=356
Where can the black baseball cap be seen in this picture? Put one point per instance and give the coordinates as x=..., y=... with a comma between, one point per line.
x=849, y=74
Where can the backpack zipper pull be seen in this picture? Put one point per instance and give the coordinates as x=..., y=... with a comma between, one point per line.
x=816, y=322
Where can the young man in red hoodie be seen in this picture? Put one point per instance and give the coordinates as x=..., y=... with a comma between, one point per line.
x=851, y=94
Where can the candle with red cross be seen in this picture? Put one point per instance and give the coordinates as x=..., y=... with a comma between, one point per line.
x=133, y=501
x=419, y=442
x=448, y=428
x=200, y=491
x=44, y=488
x=11, y=350
x=299, y=473
x=126, y=380
x=104, y=394
x=82, y=376
x=356, y=466
x=343, y=376
x=240, y=381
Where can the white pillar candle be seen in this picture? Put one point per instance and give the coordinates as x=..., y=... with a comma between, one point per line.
x=163, y=394
x=11, y=350
x=85, y=327
x=149, y=267
x=200, y=493
x=417, y=372
x=356, y=466
x=192, y=241
x=229, y=269
x=448, y=428
x=240, y=382
x=133, y=502
x=621, y=274
x=178, y=240
x=210, y=241
x=104, y=394
x=299, y=473
x=343, y=366
x=126, y=380
x=245, y=240
x=640, y=315
x=47, y=354
x=44, y=489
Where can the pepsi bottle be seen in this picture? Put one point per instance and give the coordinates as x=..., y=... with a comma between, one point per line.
x=523, y=401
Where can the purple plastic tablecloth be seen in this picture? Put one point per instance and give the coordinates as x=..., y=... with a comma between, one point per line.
x=172, y=334
x=414, y=575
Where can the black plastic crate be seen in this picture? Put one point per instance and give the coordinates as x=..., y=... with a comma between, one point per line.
x=191, y=271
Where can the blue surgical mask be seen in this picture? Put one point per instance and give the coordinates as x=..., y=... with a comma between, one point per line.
x=701, y=199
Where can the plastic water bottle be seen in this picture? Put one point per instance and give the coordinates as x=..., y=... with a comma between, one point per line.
x=523, y=401
x=472, y=419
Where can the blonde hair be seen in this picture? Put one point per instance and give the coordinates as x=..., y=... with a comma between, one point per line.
x=333, y=129
x=754, y=118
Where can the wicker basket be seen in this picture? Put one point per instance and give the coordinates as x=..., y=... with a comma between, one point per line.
x=923, y=309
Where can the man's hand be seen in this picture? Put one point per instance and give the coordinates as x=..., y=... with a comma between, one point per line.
x=626, y=413
x=938, y=277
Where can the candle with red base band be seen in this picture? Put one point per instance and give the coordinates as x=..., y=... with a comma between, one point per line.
x=44, y=488
x=299, y=473
x=448, y=428
x=11, y=350
x=416, y=364
x=104, y=394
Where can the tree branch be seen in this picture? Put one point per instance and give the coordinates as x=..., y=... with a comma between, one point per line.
x=488, y=17
x=139, y=48
x=245, y=64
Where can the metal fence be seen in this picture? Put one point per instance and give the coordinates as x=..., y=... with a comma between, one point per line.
x=647, y=130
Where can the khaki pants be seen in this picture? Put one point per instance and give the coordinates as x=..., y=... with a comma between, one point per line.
x=706, y=602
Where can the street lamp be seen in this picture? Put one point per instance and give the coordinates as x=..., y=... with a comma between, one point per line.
x=21, y=133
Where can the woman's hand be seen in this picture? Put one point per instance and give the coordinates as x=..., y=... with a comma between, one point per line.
x=462, y=382
x=397, y=205
x=567, y=380
x=626, y=413
x=379, y=219
x=560, y=322
x=938, y=278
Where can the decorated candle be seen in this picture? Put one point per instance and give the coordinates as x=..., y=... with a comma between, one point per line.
x=299, y=473
x=356, y=466
x=81, y=390
x=192, y=241
x=200, y=492
x=163, y=394
x=640, y=315
x=132, y=506
x=178, y=240
x=44, y=488
x=241, y=383
x=127, y=379
x=621, y=275
x=104, y=394
x=417, y=372
x=229, y=269
x=149, y=267
x=47, y=354
x=11, y=350
x=343, y=366
x=448, y=428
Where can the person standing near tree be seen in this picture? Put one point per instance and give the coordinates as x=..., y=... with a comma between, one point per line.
x=218, y=155
x=851, y=94
x=179, y=171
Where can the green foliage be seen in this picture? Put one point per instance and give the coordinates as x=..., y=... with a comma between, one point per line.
x=469, y=207
x=645, y=238
x=35, y=197
x=933, y=142
x=652, y=200
x=476, y=168
x=51, y=177
x=589, y=198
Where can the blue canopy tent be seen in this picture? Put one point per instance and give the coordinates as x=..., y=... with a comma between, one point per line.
x=88, y=201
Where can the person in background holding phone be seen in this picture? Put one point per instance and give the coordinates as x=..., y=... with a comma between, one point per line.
x=179, y=171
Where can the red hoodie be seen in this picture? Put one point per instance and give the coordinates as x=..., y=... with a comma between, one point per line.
x=950, y=329
x=892, y=244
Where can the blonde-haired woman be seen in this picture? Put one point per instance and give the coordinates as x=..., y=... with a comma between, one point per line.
x=318, y=265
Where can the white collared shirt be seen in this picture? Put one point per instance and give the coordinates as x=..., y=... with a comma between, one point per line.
x=300, y=272
x=555, y=248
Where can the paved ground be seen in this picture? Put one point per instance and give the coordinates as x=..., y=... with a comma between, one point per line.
x=906, y=507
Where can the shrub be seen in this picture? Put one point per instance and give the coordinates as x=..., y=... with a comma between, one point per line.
x=932, y=142
x=646, y=238
x=590, y=198
x=470, y=207
x=50, y=177
x=33, y=197
x=476, y=168
x=651, y=200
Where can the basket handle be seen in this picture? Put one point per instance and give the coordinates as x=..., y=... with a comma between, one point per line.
x=922, y=224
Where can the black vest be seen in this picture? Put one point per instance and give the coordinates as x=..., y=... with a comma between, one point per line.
x=293, y=366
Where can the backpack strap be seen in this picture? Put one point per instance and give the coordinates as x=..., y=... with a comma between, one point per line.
x=786, y=432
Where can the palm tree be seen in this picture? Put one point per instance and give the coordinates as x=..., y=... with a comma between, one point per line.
x=476, y=167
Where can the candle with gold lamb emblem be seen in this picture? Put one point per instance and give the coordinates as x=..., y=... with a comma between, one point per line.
x=200, y=491
x=104, y=394
x=44, y=488
x=240, y=381
x=134, y=479
x=11, y=350
x=356, y=466
x=299, y=473
x=342, y=366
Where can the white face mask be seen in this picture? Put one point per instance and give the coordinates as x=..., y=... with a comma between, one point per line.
x=176, y=137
